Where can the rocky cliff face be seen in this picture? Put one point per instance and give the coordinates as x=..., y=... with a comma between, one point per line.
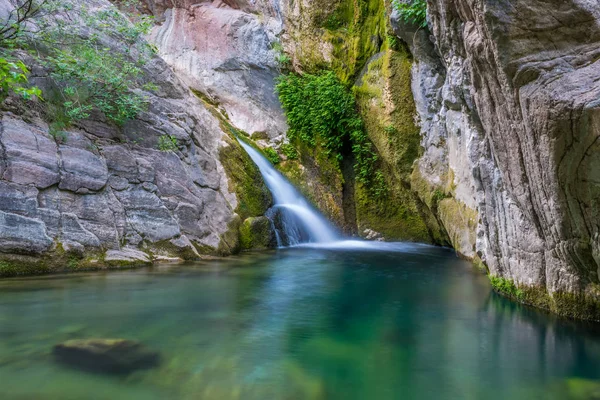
x=224, y=50
x=100, y=195
x=507, y=95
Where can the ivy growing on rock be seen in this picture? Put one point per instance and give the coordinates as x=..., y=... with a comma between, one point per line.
x=321, y=111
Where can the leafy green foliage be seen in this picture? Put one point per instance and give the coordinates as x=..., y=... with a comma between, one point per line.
x=13, y=72
x=335, y=20
x=415, y=11
x=167, y=143
x=89, y=80
x=272, y=155
x=393, y=42
x=320, y=109
x=14, y=78
x=15, y=24
x=289, y=150
x=88, y=74
x=57, y=131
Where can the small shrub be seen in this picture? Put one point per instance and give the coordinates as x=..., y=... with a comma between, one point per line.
x=391, y=130
x=283, y=59
x=272, y=155
x=59, y=134
x=167, y=143
x=415, y=11
x=277, y=47
x=96, y=79
x=289, y=150
x=333, y=21
x=88, y=75
x=14, y=79
x=393, y=42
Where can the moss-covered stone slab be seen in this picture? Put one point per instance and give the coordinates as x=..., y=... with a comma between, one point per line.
x=257, y=233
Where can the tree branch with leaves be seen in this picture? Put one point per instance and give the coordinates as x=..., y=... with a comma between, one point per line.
x=94, y=56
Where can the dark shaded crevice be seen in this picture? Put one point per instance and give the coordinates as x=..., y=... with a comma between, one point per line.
x=348, y=195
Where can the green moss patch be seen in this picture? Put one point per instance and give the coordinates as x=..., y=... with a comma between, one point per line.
x=583, y=305
x=245, y=180
x=385, y=100
x=340, y=35
x=257, y=233
x=460, y=223
x=506, y=287
x=319, y=178
x=58, y=260
x=230, y=240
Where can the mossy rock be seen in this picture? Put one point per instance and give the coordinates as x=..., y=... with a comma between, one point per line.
x=320, y=179
x=257, y=233
x=582, y=305
x=340, y=35
x=245, y=180
x=460, y=223
x=17, y=266
x=57, y=260
x=230, y=240
x=385, y=100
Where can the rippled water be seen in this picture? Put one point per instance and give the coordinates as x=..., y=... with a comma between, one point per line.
x=410, y=322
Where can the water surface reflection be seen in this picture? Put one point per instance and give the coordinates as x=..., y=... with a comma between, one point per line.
x=302, y=323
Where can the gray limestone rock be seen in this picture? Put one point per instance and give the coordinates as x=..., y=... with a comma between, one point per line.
x=105, y=188
x=20, y=234
x=30, y=155
x=512, y=115
x=127, y=255
x=81, y=170
x=224, y=50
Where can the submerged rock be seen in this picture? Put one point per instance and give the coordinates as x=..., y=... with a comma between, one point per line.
x=116, y=356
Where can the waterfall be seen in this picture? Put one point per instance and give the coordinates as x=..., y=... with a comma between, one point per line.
x=295, y=220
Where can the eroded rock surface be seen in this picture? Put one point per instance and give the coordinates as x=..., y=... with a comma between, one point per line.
x=510, y=118
x=224, y=51
x=103, y=188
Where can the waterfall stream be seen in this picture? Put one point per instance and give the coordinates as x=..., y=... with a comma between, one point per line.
x=296, y=221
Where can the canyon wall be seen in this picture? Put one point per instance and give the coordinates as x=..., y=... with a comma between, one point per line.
x=485, y=124
x=507, y=94
x=97, y=194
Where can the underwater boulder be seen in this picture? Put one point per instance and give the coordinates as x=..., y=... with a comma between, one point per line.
x=118, y=356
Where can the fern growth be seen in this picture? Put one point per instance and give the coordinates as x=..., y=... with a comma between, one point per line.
x=321, y=111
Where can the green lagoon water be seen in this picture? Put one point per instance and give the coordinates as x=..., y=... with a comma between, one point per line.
x=413, y=322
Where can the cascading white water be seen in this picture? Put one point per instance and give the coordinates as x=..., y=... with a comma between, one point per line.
x=298, y=220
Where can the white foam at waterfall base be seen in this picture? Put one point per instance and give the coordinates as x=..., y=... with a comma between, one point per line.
x=300, y=222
